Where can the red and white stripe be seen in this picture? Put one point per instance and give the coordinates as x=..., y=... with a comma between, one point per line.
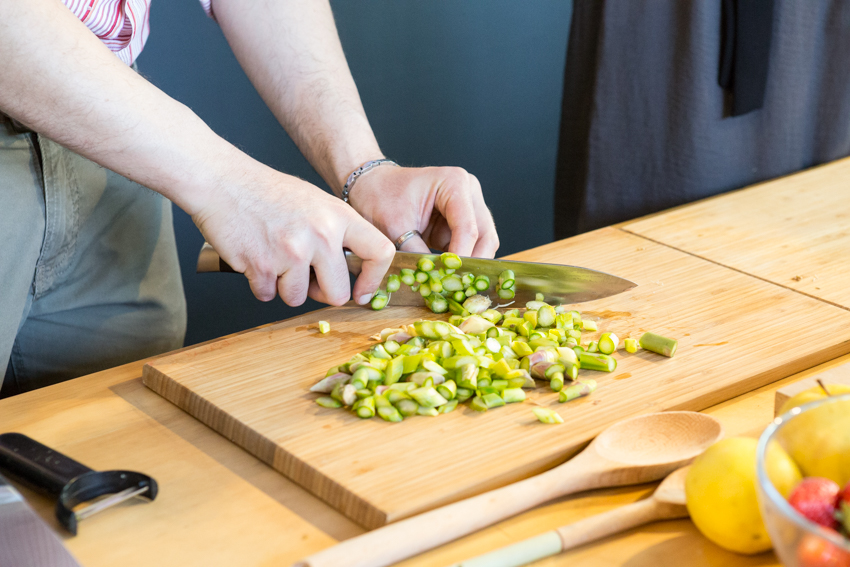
x=122, y=25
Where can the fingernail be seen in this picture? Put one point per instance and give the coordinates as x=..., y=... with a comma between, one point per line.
x=364, y=299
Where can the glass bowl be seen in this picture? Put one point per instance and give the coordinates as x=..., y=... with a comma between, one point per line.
x=798, y=541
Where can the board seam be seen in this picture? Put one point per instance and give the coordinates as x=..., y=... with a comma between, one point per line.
x=734, y=269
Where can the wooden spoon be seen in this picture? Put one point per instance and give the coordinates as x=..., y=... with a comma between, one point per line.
x=666, y=503
x=634, y=451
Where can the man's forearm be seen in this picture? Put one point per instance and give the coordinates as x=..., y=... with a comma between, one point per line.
x=291, y=51
x=59, y=79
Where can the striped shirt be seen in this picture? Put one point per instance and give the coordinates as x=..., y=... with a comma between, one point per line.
x=122, y=25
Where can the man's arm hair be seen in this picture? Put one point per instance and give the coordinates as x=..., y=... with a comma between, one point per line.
x=60, y=80
x=291, y=52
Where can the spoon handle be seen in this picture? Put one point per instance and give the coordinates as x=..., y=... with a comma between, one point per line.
x=577, y=534
x=403, y=539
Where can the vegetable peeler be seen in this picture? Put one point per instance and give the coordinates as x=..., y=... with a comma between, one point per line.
x=71, y=483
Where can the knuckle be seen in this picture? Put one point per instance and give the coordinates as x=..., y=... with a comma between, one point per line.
x=455, y=175
x=386, y=249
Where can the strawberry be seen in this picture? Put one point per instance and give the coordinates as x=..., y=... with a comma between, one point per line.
x=816, y=498
x=844, y=509
x=817, y=552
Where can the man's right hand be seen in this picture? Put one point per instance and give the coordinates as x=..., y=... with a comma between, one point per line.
x=274, y=227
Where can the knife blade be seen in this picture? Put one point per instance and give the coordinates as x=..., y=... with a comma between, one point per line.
x=25, y=539
x=558, y=283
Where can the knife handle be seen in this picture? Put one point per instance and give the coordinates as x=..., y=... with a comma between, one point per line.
x=210, y=261
x=37, y=465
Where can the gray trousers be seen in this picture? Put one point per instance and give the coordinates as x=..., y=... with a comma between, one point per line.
x=89, y=277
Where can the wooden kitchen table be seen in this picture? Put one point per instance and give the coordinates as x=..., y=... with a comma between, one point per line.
x=219, y=505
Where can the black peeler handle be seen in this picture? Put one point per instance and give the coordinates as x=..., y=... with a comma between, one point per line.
x=37, y=465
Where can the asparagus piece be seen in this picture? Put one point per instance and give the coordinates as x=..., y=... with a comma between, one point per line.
x=658, y=344
x=379, y=300
x=597, y=361
x=506, y=293
x=608, y=343
x=581, y=387
x=506, y=279
x=547, y=416
x=328, y=402
x=593, y=347
x=493, y=400
x=631, y=345
x=408, y=276
x=389, y=413
x=448, y=406
x=588, y=325
x=477, y=404
x=365, y=408
x=425, y=264
x=407, y=407
x=546, y=316
x=428, y=397
x=430, y=412
x=513, y=395
x=393, y=283
x=450, y=260
x=324, y=327
x=481, y=283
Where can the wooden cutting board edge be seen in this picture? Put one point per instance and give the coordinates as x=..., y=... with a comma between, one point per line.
x=358, y=509
x=370, y=516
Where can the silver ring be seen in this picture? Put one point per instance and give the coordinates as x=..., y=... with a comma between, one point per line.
x=399, y=242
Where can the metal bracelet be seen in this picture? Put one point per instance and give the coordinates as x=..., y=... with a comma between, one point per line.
x=368, y=166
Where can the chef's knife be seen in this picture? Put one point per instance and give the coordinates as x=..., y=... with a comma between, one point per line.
x=25, y=539
x=557, y=283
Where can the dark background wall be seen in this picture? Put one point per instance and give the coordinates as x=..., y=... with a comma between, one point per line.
x=471, y=83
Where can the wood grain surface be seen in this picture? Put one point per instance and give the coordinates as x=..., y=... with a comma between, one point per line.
x=793, y=231
x=733, y=333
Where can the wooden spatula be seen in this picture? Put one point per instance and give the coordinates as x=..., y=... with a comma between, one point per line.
x=634, y=451
x=666, y=503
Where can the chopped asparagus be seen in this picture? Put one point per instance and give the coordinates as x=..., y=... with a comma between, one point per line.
x=581, y=387
x=658, y=344
x=608, y=343
x=547, y=416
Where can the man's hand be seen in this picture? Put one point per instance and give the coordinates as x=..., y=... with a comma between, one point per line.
x=275, y=227
x=445, y=204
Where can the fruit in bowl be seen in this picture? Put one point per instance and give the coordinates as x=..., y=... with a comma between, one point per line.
x=809, y=529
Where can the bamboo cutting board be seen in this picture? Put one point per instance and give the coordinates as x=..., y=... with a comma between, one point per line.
x=735, y=333
x=793, y=231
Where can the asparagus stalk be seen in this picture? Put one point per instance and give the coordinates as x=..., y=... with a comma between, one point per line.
x=450, y=260
x=425, y=264
x=393, y=283
x=545, y=415
x=408, y=276
x=328, y=402
x=658, y=344
x=379, y=300
x=581, y=387
x=608, y=343
x=597, y=361
x=365, y=408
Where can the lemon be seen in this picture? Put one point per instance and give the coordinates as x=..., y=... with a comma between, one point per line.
x=721, y=492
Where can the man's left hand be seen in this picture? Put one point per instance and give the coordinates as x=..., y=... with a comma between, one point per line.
x=445, y=204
